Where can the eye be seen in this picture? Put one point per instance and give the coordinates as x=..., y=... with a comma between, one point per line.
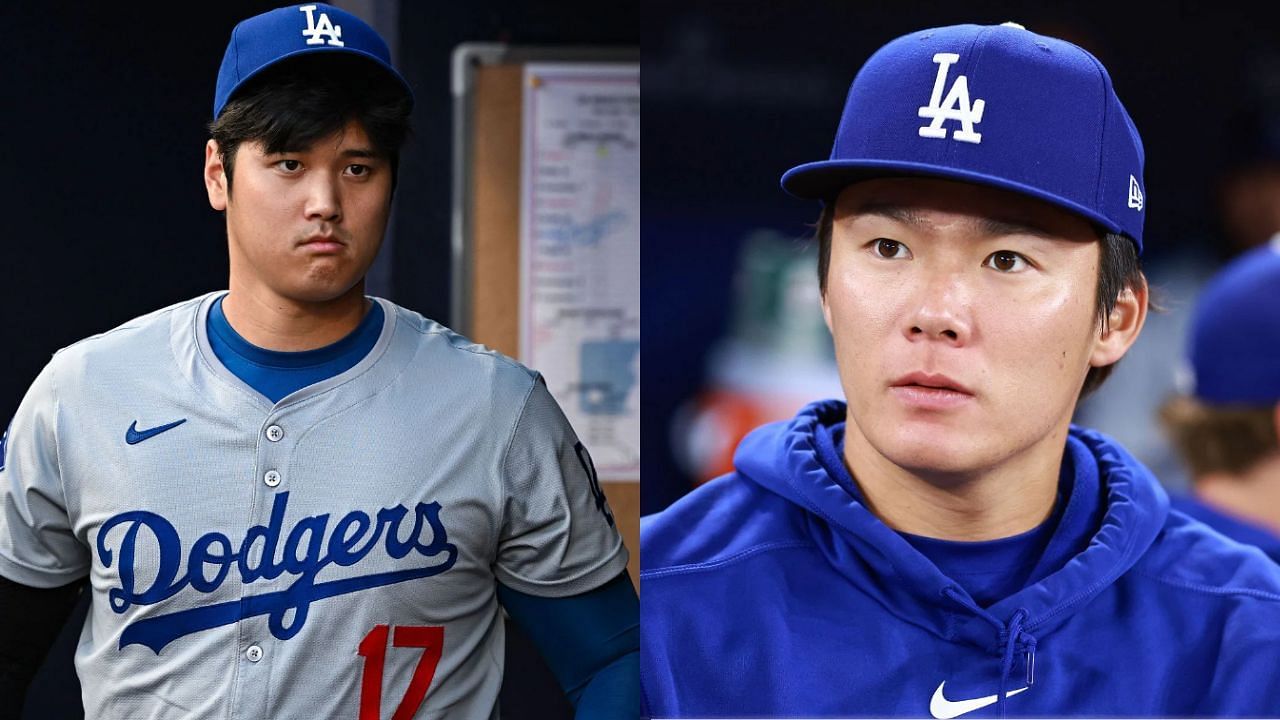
x=289, y=165
x=890, y=249
x=1006, y=261
x=359, y=170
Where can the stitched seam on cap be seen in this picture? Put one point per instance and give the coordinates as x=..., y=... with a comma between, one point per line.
x=950, y=149
x=235, y=63
x=1100, y=191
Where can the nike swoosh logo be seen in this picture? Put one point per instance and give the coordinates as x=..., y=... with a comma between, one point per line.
x=135, y=436
x=944, y=709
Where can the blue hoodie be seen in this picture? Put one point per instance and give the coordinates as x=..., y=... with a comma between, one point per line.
x=1236, y=528
x=772, y=591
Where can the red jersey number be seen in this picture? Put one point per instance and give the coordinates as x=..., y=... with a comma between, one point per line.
x=373, y=648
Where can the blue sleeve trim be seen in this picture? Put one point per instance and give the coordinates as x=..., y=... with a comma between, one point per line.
x=590, y=641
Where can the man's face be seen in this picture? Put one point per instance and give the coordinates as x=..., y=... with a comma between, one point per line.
x=964, y=320
x=305, y=225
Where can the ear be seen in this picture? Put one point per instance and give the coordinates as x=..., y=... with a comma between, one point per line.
x=826, y=313
x=215, y=176
x=1120, y=331
x=1277, y=419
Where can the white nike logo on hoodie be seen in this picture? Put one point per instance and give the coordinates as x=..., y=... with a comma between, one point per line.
x=944, y=709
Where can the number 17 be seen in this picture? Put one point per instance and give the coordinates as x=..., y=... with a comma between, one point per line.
x=373, y=648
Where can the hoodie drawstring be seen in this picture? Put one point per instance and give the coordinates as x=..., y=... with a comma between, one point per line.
x=1012, y=634
x=1014, y=629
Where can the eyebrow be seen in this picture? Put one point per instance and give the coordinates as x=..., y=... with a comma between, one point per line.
x=897, y=213
x=356, y=152
x=995, y=227
x=361, y=153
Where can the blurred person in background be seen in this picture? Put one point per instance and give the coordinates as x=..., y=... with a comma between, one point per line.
x=1244, y=207
x=1227, y=426
x=942, y=539
x=1247, y=190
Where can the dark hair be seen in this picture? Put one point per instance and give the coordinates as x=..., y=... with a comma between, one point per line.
x=1119, y=267
x=293, y=104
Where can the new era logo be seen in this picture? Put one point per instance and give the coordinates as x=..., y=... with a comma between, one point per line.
x=1135, y=193
x=315, y=32
x=956, y=106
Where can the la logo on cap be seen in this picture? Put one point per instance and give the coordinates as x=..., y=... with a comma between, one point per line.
x=315, y=31
x=955, y=107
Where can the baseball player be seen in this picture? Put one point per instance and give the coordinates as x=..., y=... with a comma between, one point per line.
x=290, y=499
x=943, y=541
x=1227, y=427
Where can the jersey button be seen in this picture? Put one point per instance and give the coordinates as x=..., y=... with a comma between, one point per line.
x=254, y=653
x=274, y=433
x=272, y=478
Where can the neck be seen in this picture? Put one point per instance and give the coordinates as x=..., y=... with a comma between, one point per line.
x=272, y=322
x=989, y=503
x=1253, y=495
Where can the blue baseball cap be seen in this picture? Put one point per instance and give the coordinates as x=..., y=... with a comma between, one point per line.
x=995, y=105
x=264, y=40
x=1234, y=346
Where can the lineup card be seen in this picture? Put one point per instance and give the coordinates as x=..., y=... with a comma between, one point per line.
x=580, y=251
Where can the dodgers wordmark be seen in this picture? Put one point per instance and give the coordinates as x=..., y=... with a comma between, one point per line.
x=292, y=499
x=242, y=544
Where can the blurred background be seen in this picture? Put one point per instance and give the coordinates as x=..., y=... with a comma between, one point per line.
x=738, y=92
x=105, y=211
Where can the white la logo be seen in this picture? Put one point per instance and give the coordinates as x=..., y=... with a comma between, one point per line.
x=1135, y=193
x=326, y=27
x=955, y=107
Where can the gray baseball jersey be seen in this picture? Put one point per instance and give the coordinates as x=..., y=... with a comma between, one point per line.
x=333, y=555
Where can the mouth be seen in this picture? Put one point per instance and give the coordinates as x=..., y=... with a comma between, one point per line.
x=930, y=391
x=322, y=244
x=930, y=381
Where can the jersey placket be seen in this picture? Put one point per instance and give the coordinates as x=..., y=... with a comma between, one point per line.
x=257, y=648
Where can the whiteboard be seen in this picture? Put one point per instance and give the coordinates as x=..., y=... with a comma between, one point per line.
x=580, y=251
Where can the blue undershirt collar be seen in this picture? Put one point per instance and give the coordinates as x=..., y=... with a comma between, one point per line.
x=276, y=374
x=992, y=570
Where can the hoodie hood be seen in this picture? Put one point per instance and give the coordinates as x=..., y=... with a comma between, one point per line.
x=773, y=591
x=1114, y=530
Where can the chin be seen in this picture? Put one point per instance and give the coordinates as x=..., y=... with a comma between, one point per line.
x=317, y=294
x=324, y=286
x=932, y=448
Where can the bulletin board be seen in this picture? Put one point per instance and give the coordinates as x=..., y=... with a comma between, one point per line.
x=546, y=237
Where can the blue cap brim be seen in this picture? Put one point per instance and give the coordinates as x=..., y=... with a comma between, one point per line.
x=823, y=180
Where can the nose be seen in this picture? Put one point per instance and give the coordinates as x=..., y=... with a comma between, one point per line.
x=324, y=199
x=941, y=312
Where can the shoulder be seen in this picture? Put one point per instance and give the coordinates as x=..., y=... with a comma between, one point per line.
x=442, y=351
x=724, y=523
x=1223, y=597
x=1236, y=528
x=1193, y=558
x=143, y=340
